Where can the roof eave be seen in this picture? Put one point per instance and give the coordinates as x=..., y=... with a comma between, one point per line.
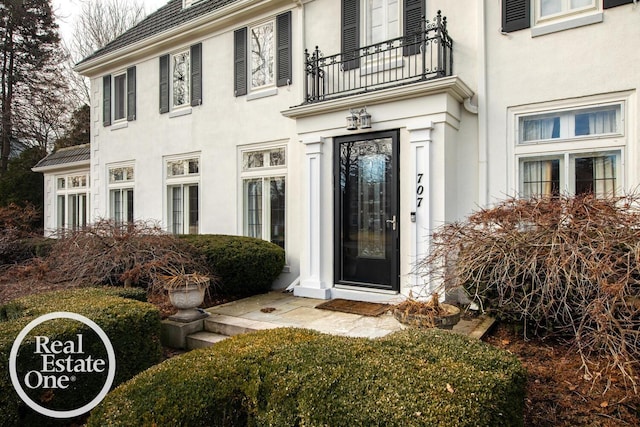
x=61, y=166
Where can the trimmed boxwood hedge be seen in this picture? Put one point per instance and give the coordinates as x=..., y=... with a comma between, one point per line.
x=132, y=326
x=245, y=265
x=295, y=377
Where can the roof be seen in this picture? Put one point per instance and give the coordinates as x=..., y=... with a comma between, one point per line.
x=65, y=156
x=168, y=16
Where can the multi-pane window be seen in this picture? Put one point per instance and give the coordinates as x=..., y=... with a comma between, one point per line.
x=72, y=201
x=382, y=20
x=180, y=69
x=550, y=8
x=183, y=195
x=261, y=46
x=571, y=152
x=264, y=194
x=121, y=194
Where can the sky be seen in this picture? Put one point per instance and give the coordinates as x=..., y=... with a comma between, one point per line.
x=66, y=10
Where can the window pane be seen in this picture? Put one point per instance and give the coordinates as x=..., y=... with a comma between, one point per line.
x=596, y=122
x=175, y=194
x=277, y=157
x=181, y=75
x=61, y=212
x=540, y=178
x=382, y=19
x=277, y=211
x=120, y=91
x=193, y=209
x=534, y=129
x=262, y=63
x=549, y=7
x=175, y=168
x=129, y=205
x=253, y=208
x=575, y=4
x=596, y=175
x=194, y=166
x=61, y=183
x=116, y=205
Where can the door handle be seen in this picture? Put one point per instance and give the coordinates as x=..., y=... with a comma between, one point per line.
x=392, y=221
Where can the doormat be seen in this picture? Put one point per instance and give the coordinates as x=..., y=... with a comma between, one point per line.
x=355, y=307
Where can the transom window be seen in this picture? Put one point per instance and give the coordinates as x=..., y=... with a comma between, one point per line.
x=573, y=151
x=183, y=167
x=264, y=194
x=181, y=72
x=262, y=55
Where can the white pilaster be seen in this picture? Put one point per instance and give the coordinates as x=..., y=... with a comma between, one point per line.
x=420, y=139
x=310, y=283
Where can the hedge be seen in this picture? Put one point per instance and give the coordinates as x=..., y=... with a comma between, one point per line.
x=133, y=328
x=289, y=377
x=244, y=265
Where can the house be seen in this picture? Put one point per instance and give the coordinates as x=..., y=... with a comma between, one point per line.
x=345, y=131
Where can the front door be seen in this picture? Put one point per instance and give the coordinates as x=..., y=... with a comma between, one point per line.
x=366, y=210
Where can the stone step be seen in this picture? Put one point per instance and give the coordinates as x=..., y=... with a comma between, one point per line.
x=203, y=339
x=231, y=325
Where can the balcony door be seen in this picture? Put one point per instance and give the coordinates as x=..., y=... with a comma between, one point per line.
x=366, y=211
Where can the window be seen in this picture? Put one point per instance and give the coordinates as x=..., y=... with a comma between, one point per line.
x=181, y=79
x=121, y=194
x=119, y=97
x=382, y=20
x=72, y=201
x=553, y=8
x=573, y=151
x=183, y=195
x=264, y=194
x=262, y=55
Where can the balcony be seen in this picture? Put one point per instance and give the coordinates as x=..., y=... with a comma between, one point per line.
x=424, y=55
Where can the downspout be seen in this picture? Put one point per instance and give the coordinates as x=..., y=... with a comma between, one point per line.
x=481, y=110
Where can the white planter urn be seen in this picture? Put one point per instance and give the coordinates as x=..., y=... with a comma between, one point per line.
x=186, y=299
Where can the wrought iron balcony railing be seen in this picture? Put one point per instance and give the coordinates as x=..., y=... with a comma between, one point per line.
x=425, y=55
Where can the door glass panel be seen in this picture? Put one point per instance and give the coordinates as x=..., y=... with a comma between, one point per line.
x=367, y=213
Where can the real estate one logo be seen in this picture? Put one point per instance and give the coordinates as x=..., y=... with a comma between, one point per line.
x=60, y=365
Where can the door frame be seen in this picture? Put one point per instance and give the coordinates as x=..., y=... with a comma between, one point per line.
x=394, y=202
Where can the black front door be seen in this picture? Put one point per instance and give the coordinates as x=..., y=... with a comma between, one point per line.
x=366, y=210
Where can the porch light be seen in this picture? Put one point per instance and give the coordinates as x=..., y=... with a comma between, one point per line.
x=358, y=119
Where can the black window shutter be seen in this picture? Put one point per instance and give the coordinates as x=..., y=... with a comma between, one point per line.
x=240, y=61
x=164, y=84
x=106, y=100
x=196, y=74
x=350, y=34
x=283, y=42
x=131, y=93
x=414, y=11
x=613, y=3
x=516, y=15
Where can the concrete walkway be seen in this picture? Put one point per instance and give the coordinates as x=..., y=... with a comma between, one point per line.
x=280, y=309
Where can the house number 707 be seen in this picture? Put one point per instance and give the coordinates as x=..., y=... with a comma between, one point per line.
x=419, y=190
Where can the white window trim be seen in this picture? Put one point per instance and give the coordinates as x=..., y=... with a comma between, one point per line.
x=565, y=20
x=610, y=143
x=121, y=185
x=123, y=119
x=187, y=104
x=188, y=179
x=69, y=191
x=263, y=172
x=267, y=89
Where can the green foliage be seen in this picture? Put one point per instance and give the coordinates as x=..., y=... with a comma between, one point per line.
x=79, y=129
x=296, y=377
x=133, y=328
x=20, y=185
x=245, y=265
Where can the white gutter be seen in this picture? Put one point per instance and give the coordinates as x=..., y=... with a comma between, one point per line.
x=481, y=109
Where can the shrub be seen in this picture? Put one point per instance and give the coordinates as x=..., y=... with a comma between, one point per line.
x=18, y=238
x=133, y=328
x=287, y=377
x=244, y=265
x=567, y=266
x=116, y=254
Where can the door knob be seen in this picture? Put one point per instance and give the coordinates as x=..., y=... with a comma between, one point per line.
x=393, y=222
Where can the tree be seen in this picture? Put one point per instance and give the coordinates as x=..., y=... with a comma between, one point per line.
x=29, y=45
x=20, y=185
x=78, y=129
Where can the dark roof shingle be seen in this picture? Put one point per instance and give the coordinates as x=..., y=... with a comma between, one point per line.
x=168, y=16
x=65, y=156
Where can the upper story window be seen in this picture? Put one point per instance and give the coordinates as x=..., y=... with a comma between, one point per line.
x=181, y=79
x=555, y=8
x=382, y=20
x=119, y=97
x=262, y=56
